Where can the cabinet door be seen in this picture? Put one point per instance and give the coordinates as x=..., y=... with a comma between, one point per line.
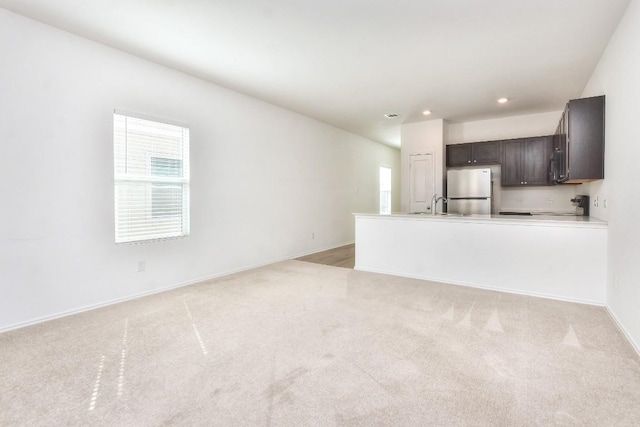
x=485, y=152
x=459, y=155
x=511, y=163
x=585, y=123
x=535, y=169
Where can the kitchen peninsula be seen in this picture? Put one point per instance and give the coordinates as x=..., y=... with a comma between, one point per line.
x=562, y=257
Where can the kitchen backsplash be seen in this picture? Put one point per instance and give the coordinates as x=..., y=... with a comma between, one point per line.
x=538, y=199
x=555, y=198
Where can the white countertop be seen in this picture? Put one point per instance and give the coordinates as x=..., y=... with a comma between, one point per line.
x=540, y=220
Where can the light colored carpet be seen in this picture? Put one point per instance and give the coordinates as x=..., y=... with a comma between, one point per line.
x=298, y=344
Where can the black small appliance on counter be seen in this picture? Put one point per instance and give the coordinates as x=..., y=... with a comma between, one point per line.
x=582, y=205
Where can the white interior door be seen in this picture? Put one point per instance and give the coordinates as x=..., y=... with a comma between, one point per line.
x=421, y=182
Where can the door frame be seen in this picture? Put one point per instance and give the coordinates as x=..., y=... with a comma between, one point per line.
x=433, y=178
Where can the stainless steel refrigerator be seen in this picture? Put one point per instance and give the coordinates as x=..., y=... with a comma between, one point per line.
x=469, y=191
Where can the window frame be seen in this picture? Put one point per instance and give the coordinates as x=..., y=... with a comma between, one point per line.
x=148, y=179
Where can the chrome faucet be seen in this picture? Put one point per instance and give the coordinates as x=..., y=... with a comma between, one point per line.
x=434, y=203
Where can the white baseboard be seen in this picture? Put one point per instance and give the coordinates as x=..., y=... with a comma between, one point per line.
x=156, y=291
x=490, y=288
x=617, y=322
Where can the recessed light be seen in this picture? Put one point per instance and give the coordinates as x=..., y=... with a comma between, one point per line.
x=503, y=100
x=391, y=115
x=426, y=112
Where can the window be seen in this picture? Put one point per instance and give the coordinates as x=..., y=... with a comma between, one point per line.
x=151, y=178
x=164, y=195
x=385, y=190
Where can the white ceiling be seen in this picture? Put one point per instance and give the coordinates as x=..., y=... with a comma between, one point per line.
x=348, y=62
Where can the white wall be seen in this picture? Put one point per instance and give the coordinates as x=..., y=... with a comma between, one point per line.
x=420, y=138
x=503, y=128
x=263, y=178
x=618, y=77
x=548, y=199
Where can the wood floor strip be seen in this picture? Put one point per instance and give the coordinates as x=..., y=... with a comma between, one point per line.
x=343, y=256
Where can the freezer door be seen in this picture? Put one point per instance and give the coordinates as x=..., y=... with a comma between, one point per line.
x=469, y=183
x=470, y=206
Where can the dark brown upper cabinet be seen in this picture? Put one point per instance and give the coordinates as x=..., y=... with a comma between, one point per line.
x=525, y=161
x=578, y=145
x=477, y=153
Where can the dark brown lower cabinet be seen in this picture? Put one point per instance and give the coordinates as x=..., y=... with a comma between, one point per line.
x=526, y=161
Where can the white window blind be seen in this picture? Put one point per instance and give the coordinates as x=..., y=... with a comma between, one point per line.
x=151, y=179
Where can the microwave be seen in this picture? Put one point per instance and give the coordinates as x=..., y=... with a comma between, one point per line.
x=559, y=170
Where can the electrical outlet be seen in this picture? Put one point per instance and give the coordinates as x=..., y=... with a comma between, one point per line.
x=313, y=235
x=356, y=191
x=615, y=282
x=549, y=200
x=142, y=265
x=595, y=201
x=604, y=203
